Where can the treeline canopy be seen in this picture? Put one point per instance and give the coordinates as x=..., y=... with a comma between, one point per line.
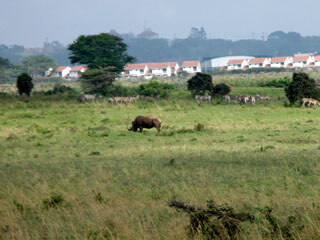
x=194, y=46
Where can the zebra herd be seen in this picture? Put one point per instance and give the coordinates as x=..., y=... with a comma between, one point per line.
x=242, y=99
x=123, y=99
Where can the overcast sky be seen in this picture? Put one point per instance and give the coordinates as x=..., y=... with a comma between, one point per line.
x=30, y=22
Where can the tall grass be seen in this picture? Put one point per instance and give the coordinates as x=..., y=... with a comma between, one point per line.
x=73, y=171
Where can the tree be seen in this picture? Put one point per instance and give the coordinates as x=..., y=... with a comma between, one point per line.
x=199, y=34
x=24, y=84
x=37, y=65
x=98, y=81
x=301, y=86
x=100, y=51
x=221, y=89
x=200, y=84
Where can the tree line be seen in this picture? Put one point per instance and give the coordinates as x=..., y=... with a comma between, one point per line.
x=195, y=46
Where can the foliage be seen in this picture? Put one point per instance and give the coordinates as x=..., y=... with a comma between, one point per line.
x=117, y=90
x=155, y=88
x=24, y=84
x=38, y=64
x=100, y=51
x=214, y=221
x=301, y=86
x=53, y=201
x=97, y=81
x=221, y=89
x=276, y=83
x=199, y=34
x=200, y=84
x=287, y=229
x=60, y=89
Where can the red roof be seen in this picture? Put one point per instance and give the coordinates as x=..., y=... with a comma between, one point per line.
x=162, y=65
x=78, y=68
x=278, y=59
x=300, y=58
x=190, y=64
x=235, y=61
x=136, y=66
x=257, y=60
x=61, y=68
x=317, y=58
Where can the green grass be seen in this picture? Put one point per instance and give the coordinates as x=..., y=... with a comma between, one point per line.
x=73, y=171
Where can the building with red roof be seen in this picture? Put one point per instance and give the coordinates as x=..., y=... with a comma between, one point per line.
x=62, y=71
x=148, y=70
x=191, y=66
x=301, y=61
x=281, y=62
x=76, y=71
x=259, y=62
x=239, y=63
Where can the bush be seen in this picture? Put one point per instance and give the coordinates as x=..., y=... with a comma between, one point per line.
x=60, y=89
x=276, y=83
x=24, y=84
x=301, y=86
x=154, y=88
x=117, y=90
x=200, y=84
x=53, y=201
x=221, y=89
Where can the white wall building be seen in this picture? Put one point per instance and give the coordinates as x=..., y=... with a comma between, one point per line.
x=281, y=62
x=166, y=69
x=317, y=61
x=259, y=62
x=76, y=71
x=235, y=64
x=220, y=63
x=303, y=61
x=62, y=71
x=135, y=70
x=191, y=66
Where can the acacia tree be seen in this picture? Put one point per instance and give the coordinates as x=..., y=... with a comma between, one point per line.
x=100, y=51
x=301, y=86
x=201, y=84
x=24, y=84
x=98, y=80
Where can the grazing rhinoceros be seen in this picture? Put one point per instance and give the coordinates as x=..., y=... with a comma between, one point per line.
x=145, y=122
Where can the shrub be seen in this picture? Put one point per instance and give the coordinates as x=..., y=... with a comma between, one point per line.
x=221, y=89
x=60, y=89
x=53, y=201
x=154, y=88
x=301, y=86
x=213, y=222
x=200, y=84
x=276, y=83
x=117, y=90
x=24, y=84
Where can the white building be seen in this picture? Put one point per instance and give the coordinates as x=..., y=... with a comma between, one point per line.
x=220, y=62
x=191, y=66
x=62, y=71
x=281, y=62
x=317, y=61
x=303, y=61
x=135, y=70
x=259, y=62
x=165, y=69
x=235, y=64
x=76, y=71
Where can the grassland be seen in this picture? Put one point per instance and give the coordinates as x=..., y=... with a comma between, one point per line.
x=73, y=171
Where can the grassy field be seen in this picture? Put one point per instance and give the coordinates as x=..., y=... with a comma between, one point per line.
x=74, y=171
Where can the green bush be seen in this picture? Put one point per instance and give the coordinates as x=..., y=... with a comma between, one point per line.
x=154, y=88
x=276, y=83
x=60, y=89
x=302, y=86
x=200, y=84
x=24, y=84
x=221, y=89
x=117, y=90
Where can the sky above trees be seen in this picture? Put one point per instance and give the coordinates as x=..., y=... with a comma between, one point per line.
x=30, y=22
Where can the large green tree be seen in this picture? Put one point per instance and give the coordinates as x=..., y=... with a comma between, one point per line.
x=200, y=84
x=38, y=64
x=100, y=51
x=302, y=86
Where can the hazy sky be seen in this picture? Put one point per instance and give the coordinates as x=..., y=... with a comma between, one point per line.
x=30, y=22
